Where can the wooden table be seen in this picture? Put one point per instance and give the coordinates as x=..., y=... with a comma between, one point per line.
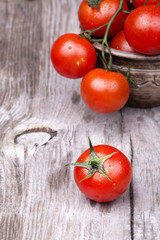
x=45, y=124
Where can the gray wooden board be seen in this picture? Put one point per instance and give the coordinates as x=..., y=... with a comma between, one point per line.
x=44, y=125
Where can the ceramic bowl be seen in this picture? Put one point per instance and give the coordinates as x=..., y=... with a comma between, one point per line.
x=144, y=70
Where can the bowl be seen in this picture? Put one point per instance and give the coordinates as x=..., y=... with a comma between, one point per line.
x=144, y=71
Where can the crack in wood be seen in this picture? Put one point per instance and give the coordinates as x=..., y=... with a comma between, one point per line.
x=33, y=132
x=131, y=197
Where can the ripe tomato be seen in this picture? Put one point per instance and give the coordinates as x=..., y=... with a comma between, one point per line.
x=108, y=175
x=104, y=91
x=138, y=3
x=90, y=18
x=72, y=56
x=119, y=42
x=142, y=29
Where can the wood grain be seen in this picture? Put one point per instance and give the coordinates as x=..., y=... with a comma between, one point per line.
x=44, y=125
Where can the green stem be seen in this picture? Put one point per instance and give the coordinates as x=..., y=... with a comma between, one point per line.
x=105, y=39
x=146, y=2
x=90, y=32
x=96, y=40
x=125, y=11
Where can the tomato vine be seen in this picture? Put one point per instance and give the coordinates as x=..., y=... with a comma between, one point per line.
x=88, y=33
x=104, y=41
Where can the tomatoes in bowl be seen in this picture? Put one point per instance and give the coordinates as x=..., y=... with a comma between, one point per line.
x=138, y=3
x=102, y=173
x=73, y=56
x=104, y=91
x=91, y=18
x=119, y=42
x=142, y=29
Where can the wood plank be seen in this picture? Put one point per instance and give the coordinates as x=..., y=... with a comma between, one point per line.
x=144, y=128
x=38, y=196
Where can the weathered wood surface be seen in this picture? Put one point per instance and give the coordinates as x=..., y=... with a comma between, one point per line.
x=38, y=196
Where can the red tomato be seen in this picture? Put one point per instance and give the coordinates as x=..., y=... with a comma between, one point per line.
x=104, y=91
x=138, y=3
x=72, y=56
x=119, y=42
x=90, y=18
x=98, y=187
x=142, y=29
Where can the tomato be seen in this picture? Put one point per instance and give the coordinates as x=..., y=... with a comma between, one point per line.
x=138, y=3
x=142, y=29
x=127, y=1
x=90, y=18
x=102, y=173
x=104, y=91
x=73, y=57
x=119, y=42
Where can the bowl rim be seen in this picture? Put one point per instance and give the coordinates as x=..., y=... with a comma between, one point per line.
x=127, y=55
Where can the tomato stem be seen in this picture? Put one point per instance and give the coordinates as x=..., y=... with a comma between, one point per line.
x=103, y=61
x=146, y=2
x=88, y=33
x=130, y=80
x=94, y=3
x=105, y=39
x=94, y=164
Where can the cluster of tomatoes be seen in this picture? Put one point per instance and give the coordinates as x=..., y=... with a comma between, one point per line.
x=134, y=30
x=103, y=173
x=141, y=31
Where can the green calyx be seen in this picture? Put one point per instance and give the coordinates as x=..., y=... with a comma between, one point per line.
x=94, y=3
x=94, y=164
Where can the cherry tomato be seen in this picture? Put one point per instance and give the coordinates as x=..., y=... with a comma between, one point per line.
x=104, y=91
x=142, y=29
x=108, y=179
x=90, y=18
x=138, y=3
x=73, y=57
x=119, y=42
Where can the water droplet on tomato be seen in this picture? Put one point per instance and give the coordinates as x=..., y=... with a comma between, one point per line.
x=114, y=184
